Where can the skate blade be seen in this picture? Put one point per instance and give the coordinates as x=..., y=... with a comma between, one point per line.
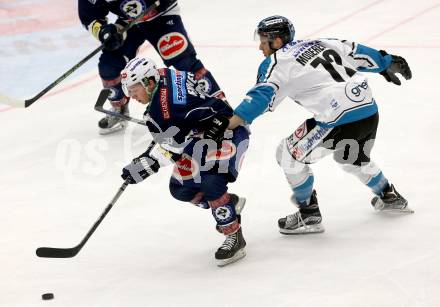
x=303, y=230
x=115, y=128
x=405, y=210
x=238, y=255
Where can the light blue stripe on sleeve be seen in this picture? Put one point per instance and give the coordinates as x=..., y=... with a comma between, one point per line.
x=381, y=62
x=256, y=103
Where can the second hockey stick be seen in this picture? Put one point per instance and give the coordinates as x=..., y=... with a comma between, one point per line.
x=99, y=106
x=26, y=103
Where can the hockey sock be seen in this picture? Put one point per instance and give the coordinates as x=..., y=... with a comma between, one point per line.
x=224, y=213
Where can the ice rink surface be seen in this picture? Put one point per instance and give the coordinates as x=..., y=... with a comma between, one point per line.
x=58, y=174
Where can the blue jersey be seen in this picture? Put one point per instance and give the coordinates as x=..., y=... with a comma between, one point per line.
x=126, y=10
x=181, y=107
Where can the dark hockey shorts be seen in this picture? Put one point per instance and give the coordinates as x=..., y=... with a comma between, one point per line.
x=199, y=159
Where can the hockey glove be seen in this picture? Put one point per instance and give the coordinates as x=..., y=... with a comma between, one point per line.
x=110, y=38
x=140, y=168
x=398, y=65
x=216, y=128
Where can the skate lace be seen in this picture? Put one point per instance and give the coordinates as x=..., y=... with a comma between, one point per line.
x=296, y=217
x=229, y=243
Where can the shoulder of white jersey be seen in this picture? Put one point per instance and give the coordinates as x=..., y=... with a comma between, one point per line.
x=266, y=68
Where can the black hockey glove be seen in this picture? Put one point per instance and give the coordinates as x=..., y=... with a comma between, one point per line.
x=216, y=128
x=140, y=168
x=110, y=38
x=398, y=65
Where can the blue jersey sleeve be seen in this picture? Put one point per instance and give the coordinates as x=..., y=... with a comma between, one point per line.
x=371, y=59
x=258, y=99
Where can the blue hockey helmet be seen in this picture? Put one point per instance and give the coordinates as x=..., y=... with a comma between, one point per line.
x=276, y=26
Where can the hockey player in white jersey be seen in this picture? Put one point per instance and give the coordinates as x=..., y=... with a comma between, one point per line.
x=325, y=76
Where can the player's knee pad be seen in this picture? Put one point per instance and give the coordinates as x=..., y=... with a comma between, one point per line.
x=225, y=215
x=288, y=163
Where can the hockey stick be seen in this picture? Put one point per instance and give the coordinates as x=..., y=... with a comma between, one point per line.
x=99, y=107
x=26, y=103
x=53, y=252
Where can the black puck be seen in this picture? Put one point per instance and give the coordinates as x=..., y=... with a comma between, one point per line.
x=47, y=296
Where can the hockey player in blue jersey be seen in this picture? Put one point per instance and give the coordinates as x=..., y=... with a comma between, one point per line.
x=325, y=76
x=162, y=27
x=179, y=115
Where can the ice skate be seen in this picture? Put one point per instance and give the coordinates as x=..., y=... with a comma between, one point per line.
x=231, y=250
x=110, y=124
x=391, y=201
x=307, y=220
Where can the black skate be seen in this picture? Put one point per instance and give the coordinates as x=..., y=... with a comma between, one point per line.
x=239, y=203
x=391, y=200
x=306, y=220
x=232, y=249
x=110, y=124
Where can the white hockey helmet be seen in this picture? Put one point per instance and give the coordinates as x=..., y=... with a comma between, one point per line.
x=138, y=70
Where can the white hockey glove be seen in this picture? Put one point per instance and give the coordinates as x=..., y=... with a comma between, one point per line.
x=141, y=167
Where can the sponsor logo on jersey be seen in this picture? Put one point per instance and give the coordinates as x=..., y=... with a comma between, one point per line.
x=133, y=8
x=204, y=85
x=299, y=132
x=356, y=92
x=164, y=105
x=334, y=104
x=178, y=80
x=227, y=151
x=185, y=168
x=300, y=147
x=171, y=45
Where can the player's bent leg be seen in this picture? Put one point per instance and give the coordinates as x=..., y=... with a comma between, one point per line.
x=110, y=66
x=119, y=102
x=300, y=178
x=387, y=198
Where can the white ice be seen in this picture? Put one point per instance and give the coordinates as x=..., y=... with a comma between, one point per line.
x=58, y=174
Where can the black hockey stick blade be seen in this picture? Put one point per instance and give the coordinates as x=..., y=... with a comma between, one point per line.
x=52, y=252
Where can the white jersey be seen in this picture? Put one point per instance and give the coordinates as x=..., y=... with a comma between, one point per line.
x=324, y=76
